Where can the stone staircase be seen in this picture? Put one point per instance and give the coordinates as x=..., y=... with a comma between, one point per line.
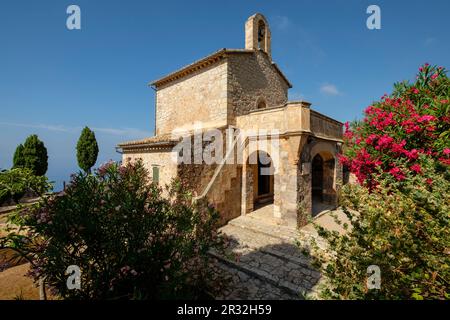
x=226, y=192
x=263, y=261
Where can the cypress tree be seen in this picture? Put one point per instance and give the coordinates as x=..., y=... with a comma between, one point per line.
x=87, y=150
x=35, y=155
x=18, y=159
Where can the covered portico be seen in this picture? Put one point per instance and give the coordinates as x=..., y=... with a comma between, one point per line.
x=290, y=162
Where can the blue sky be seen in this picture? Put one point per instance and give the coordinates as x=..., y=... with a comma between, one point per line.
x=54, y=81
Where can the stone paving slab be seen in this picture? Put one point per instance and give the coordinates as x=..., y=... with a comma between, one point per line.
x=265, y=259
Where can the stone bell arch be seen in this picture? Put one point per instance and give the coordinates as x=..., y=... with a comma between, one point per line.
x=257, y=34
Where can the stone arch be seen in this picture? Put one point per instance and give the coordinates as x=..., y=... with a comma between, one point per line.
x=317, y=159
x=323, y=182
x=321, y=147
x=260, y=180
x=257, y=34
x=261, y=103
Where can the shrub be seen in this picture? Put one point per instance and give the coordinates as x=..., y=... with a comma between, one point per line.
x=404, y=231
x=87, y=150
x=35, y=155
x=128, y=240
x=399, y=213
x=15, y=183
x=413, y=121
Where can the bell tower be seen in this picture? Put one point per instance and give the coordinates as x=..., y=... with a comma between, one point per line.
x=257, y=34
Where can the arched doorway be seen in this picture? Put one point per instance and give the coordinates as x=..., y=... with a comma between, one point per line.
x=265, y=180
x=260, y=180
x=317, y=178
x=323, y=191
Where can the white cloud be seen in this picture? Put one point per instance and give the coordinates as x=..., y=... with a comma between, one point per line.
x=282, y=22
x=329, y=89
x=123, y=132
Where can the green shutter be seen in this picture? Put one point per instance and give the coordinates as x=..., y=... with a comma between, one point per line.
x=155, y=174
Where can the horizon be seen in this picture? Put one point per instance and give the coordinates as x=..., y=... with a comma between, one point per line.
x=55, y=81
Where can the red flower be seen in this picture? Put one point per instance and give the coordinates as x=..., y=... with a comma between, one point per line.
x=416, y=168
x=426, y=118
x=371, y=138
x=398, y=147
x=385, y=141
x=412, y=155
x=397, y=173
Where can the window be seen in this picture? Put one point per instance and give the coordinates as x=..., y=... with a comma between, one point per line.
x=155, y=174
x=262, y=36
x=261, y=104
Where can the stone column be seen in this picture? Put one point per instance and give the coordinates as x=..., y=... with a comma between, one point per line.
x=304, y=193
x=287, y=181
x=247, y=185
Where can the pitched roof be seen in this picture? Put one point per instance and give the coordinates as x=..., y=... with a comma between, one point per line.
x=164, y=139
x=207, y=61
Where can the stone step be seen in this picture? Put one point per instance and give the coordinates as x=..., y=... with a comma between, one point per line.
x=288, y=277
x=272, y=230
x=242, y=286
x=246, y=238
x=270, y=259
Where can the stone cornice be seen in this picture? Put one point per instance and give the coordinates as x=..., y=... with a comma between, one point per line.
x=324, y=117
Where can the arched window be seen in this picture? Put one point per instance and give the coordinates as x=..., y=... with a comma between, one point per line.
x=261, y=35
x=261, y=103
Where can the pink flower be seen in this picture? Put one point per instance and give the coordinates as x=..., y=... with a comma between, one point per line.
x=416, y=168
x=397, y=173
x=385, y=141
x=398, y=147
x=347, y=126
x=415, y=90
x=413, y=154
x=426, y=118
x=371, y=138
x=434, y=76
x=446, y=151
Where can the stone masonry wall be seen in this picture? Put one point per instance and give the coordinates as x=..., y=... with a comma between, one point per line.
x=162, y=159
x=324, y=126
x=201, y=96
x=250, y=77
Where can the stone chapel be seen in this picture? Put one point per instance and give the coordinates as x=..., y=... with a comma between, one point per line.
x=287, y=156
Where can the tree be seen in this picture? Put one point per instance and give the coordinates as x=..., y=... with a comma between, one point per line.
x=398, y=214
x=35, y=155
x=18, y=160
x=15, y=183
x=87, y=149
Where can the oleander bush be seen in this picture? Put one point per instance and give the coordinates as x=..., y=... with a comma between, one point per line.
x=399, y=211
x=129, y=241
